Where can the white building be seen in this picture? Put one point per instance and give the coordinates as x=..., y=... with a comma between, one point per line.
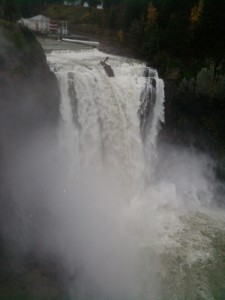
x=38, y=23
x=86, y=5
x=100, y=6
x=45, y=25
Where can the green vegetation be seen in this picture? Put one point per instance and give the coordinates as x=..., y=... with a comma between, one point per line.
x=187, y=34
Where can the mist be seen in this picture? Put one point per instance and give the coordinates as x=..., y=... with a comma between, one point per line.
x=112, y=242
x=109, y=247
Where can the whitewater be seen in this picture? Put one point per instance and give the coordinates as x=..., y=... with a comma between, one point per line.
x=136, y=219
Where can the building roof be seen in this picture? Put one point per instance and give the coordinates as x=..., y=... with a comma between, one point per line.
x=40, y=18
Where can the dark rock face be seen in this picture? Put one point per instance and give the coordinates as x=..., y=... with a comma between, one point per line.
x=148, y=101
x=29, y=95
x=29, y=104
x=108, y=69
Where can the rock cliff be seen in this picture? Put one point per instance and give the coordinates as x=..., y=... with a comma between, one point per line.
x=29, y=93
x=29, y=106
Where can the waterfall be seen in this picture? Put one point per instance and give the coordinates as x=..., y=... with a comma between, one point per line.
x=110, y=123
x=126, y=227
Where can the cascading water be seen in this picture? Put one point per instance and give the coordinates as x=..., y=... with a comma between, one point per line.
x=111, y=123
x=136, y=238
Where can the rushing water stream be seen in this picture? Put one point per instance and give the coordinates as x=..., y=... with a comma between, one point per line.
x=139, y=221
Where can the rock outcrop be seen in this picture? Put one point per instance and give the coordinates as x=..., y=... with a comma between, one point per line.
x=29, y=95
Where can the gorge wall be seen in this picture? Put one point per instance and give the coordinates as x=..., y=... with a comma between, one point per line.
x=29, y=108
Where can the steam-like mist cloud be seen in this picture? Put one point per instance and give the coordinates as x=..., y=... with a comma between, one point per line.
x=110, y=248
